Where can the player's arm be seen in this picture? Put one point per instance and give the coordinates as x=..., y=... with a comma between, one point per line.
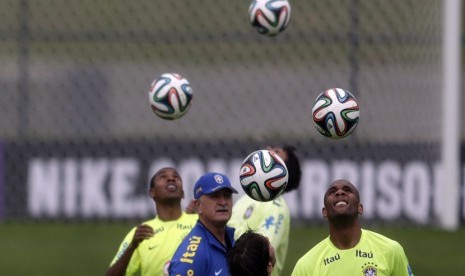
x=119, y=266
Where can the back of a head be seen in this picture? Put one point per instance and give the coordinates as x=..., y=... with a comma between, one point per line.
x=250, y=255
x=293, y=167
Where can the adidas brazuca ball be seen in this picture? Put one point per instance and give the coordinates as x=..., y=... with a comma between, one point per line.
x=170, y=96
x=263, y=175
x=335, y=113
x=270, y=17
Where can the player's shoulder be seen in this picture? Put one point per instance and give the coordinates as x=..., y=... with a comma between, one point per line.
x=196, y=236
x=188, y=218
x=381, y=240
x=318, y=249
x=307, y=261
x=277, y=203
x=280, y=203
x=248, y=208
x=131, y=232
x=190, y=252
x=243, y=205
x=276, y=207
x=193, y=243
x=375, y=236
x=150, y=222
x=244, y=200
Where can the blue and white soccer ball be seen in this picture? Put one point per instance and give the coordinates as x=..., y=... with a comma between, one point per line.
x=170, y=96
x=263, y=175
x=270, y=17
x=335, y=113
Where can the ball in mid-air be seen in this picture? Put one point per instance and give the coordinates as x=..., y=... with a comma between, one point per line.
x=170, y=96
x=263, y=175
x=335, y=113
x=270, y=17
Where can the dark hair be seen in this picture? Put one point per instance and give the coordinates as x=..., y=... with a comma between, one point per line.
x=152, y=180
x=250, y=255
x=157, y=173
x=293, y=167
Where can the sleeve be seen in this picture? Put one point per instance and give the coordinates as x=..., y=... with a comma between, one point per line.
x=298, y=269
x=134, y=265
x=190, y=259
x=400, y=265
x=124, y=244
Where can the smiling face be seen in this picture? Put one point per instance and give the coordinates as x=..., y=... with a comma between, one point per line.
x=342, y=200
x=166, y=186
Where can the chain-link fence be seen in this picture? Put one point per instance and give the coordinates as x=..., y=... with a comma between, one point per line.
x=75, y=75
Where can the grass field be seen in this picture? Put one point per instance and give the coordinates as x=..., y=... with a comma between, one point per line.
x=86, y=249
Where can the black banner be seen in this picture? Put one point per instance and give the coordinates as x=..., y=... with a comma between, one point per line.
x=79, y=181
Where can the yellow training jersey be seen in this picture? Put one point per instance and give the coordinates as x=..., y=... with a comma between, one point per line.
x=271, y=219
x=374, y=255
x=153, y=255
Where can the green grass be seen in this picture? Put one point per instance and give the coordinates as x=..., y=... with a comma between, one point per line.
x=87, y=249
x=58, y=249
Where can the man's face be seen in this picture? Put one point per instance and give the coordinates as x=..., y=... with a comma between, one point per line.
x=215, y=208
x=279, y=151
x=167, y=185
x=342, y=200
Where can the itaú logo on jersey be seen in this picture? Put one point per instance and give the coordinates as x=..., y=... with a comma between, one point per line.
x=329, y=260
x=183, y=226
x=188, y=256
x=369, y=269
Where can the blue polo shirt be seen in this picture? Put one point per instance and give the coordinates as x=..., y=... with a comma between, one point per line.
x=200, y=253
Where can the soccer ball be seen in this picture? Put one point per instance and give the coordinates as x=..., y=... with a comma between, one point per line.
x=170, y=96
x=270, y=17
x=335, y=113
x=263, y=175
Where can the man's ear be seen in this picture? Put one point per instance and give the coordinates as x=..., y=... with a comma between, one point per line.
x=323, y=211
x=152, y=192
x=360, y=209
x=269, y=268
x=197, y=206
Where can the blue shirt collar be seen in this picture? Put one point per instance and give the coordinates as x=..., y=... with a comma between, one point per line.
x=215, y=242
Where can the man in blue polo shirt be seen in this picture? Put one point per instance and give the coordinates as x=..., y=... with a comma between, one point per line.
x=204, y=250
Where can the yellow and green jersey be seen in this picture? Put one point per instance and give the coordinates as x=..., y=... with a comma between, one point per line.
x=375, y=254
x=272, y=219
x=153, y=255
